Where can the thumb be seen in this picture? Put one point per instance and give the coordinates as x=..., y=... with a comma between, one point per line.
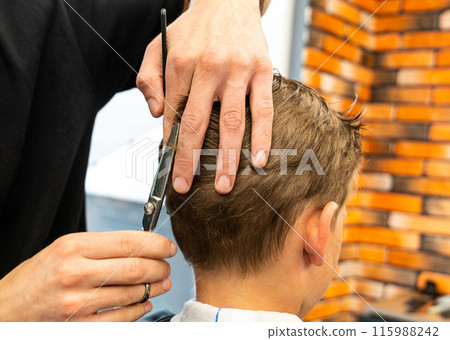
x=150, y=78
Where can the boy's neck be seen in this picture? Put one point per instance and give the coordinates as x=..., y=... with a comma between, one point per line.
x=262, y=291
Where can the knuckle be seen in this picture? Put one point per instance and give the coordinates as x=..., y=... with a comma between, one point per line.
x=127, y=244
x=210, y=60
x=233, y=120
x=192, y=120
x=263, y=64
x=66, y=245
x=68, y=276
x=241, y=63
x=265, y=108
x=135, y=271
x=178, y=62
x=141, y=81
x=68, y=305
x=183, y=161
x=126, y=296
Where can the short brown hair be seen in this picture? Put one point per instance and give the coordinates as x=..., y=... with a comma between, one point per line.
x=239, y=230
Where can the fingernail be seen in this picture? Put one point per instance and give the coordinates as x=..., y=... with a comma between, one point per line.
x=166, y=284
x=148, y=306
x=180, y=185
x=260, y=158
x=173, y=249
x=224, y=184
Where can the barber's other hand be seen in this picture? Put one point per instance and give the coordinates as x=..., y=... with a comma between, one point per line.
x=217, y=52
x=62, y=281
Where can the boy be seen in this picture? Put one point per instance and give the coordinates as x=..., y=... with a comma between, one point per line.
x=265, y=252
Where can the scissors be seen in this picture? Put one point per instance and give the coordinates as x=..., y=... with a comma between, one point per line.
x=153, y=206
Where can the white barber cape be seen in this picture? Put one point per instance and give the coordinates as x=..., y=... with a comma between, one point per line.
x=194, y=311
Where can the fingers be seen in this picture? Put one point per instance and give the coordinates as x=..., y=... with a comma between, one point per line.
x=130, y=271
x=193, y=127
x=178, y=82
x=231, y=132
x=126, y=314
x=120, y=296
x=150, y=78
x=261, y=106
x=123, y=244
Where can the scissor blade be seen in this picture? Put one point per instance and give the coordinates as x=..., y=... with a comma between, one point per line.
x=161, y=179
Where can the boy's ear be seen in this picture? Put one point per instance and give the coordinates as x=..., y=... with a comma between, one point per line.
x=317, y=228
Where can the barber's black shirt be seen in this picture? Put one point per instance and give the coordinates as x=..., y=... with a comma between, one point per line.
x=55, y=74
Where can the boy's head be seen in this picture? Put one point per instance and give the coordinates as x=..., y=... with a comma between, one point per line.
x=315, y=155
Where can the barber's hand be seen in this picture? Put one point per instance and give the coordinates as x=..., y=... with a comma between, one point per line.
x=61, y=282
x=217, y=52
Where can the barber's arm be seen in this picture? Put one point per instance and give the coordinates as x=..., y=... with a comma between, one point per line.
x=217, y=52
x=81, y=274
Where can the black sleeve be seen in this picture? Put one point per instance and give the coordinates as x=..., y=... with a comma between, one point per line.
x=125, y=28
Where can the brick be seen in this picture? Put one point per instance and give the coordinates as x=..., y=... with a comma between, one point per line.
x=341, y=49
x=367, y=288
x=376, y=112
x=418, y=95
x=444, y=20
x=420, y=6
x=359, y=37
x=337, y=288
x=342, y=317
x=363, y=92
x=322, y=309
x=375, y=181
x=390, y=6
x=437, y=206
x=423, y=149
x=420, y=223
x=365, y=216
x=437, y=168
x=419, y=260
x=371, y=253
x=423, y=113
x=384, y=77
x=343, y=10
x=382, y=236
x=442, y=281
x=443, y=58
x=331, y=84
x=384, y=42
x=349, y=251
x=424, y=186
x=396, y=130
x=318, y=59
x=441, y=95
x=352, y=303
x=437, y=244
x=397, y=166
x=399, y=59
x=440, y=132
x=327, y=22
x=429, y=39
x=357, y=73
x=347, y=268
x=345, y=105
x=391, y=290
x=386, y=273
x=401, y=23
x=439, y=76
x=375, y=147
x=387, y=201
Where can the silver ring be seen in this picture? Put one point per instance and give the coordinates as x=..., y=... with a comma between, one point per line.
x=146, y=294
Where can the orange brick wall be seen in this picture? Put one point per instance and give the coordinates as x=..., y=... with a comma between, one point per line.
x=397, y=233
